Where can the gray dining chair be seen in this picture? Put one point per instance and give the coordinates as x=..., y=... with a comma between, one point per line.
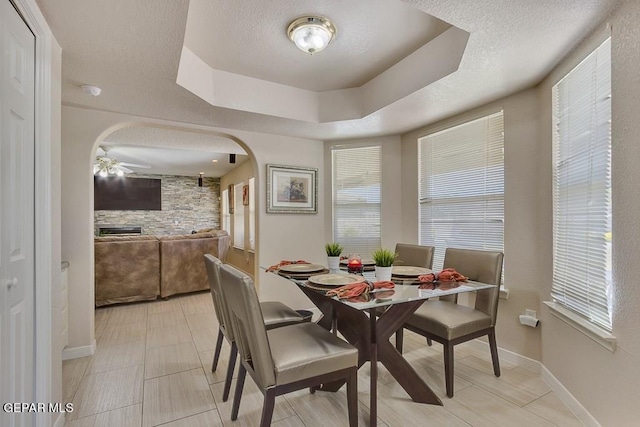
x=450, y=323
x=275, y=315
x=285, y=359
x=414, y=255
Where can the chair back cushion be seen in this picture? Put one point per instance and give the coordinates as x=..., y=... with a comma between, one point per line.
x=415, y=255
x=248, y=324
x=479, y=266
x=213, y=265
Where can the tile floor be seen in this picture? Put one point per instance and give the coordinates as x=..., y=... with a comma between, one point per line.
x=153, y=367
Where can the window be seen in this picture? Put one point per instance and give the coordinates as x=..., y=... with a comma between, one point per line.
x=356, y=179
x=238, y=217
x=226, y=218
x=582, y=188
x=462, y=187
x=252, y=214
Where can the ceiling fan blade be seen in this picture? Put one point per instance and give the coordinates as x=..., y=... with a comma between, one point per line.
x=135, y=165
x=125, y=170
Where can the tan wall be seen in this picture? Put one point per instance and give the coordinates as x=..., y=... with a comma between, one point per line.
x=278, y=236
x=391, y=219
x=521, y=181
x=601, y=381
x=244, y=259
x=607, y=384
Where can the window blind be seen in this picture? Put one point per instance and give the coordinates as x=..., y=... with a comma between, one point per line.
x=252, y=214
x=238, y=217
x=582, y=188
x=462, y=187
x=226, y=218
x=356, y=180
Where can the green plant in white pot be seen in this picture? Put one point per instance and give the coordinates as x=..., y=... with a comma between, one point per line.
x=384, y=259
x=333, y=255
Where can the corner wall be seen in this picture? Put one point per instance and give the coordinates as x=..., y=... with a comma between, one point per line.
x=607, y=384
x=604, y=383
x=278, y=236
x=520, y=208
x=391, y=189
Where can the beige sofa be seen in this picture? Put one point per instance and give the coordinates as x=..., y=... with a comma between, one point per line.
x=139, y=268
x=127, y=269
x=182, y=266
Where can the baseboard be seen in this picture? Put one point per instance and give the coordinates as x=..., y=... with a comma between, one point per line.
x=515, y=358
x=556, y=386
x=567, y=398
x=59, y=420
x=76, y=352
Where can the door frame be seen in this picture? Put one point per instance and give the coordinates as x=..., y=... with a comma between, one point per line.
x=43, y=316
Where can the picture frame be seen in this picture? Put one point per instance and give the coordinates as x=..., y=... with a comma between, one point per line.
x=292, y=189
x=245, y=195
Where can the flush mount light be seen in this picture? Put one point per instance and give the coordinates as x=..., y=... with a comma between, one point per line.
x=311, y=33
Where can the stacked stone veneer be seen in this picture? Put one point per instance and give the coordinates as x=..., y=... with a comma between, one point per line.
x=185, y=207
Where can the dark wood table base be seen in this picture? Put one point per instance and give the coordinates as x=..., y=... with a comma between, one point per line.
x=370, y=335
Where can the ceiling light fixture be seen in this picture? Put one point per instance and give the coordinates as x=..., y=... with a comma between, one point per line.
x=311, y=33
x=91, y=90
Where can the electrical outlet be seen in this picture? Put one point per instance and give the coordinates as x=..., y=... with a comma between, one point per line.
x=528, y=312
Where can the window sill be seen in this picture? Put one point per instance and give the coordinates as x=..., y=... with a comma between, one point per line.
x=597, y=334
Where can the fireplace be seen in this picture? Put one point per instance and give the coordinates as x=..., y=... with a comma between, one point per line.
x=118, y=230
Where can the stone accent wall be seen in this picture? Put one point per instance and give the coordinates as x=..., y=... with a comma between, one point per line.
x=185, y=207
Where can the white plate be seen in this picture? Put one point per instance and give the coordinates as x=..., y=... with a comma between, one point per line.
x=301, y=268
x=336, y=279
x=409, y=271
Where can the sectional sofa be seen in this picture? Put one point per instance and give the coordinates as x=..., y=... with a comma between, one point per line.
x=140, y=268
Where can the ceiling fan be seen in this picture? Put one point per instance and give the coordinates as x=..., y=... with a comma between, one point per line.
x=109, y=166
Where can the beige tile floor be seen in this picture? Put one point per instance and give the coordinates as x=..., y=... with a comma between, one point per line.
x=153, y=367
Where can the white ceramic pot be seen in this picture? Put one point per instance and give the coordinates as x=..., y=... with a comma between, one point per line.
x=333, y=263
x=383, y=273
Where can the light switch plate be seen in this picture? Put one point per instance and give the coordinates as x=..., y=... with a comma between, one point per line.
x=531, y=313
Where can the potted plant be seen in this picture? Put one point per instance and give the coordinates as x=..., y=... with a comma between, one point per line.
x=333, y=255
x=384, y=259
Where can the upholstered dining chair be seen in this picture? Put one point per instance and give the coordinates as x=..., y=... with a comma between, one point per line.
x=275, y=315
x=450, y=323
x=414, y=255
x=285, y=359
x=417, y=256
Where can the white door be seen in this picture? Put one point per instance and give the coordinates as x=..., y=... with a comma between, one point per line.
x=16, y=214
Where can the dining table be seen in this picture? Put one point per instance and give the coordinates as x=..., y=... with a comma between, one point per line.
x=367, y=322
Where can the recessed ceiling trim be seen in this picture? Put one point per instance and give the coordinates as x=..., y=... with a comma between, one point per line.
x=431, y=62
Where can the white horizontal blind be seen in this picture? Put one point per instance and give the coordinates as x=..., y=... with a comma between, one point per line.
x=582, y=188
x=226, y=218
x=462, y=187
x=238, y=217
x=252, y=214
x=356, y=180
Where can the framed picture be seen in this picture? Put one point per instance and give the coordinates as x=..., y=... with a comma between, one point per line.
x=292, y=189
x=245, y=195
x=230, y=200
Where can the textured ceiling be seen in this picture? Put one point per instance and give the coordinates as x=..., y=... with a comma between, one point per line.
x=372, y=36
x=131, y=49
